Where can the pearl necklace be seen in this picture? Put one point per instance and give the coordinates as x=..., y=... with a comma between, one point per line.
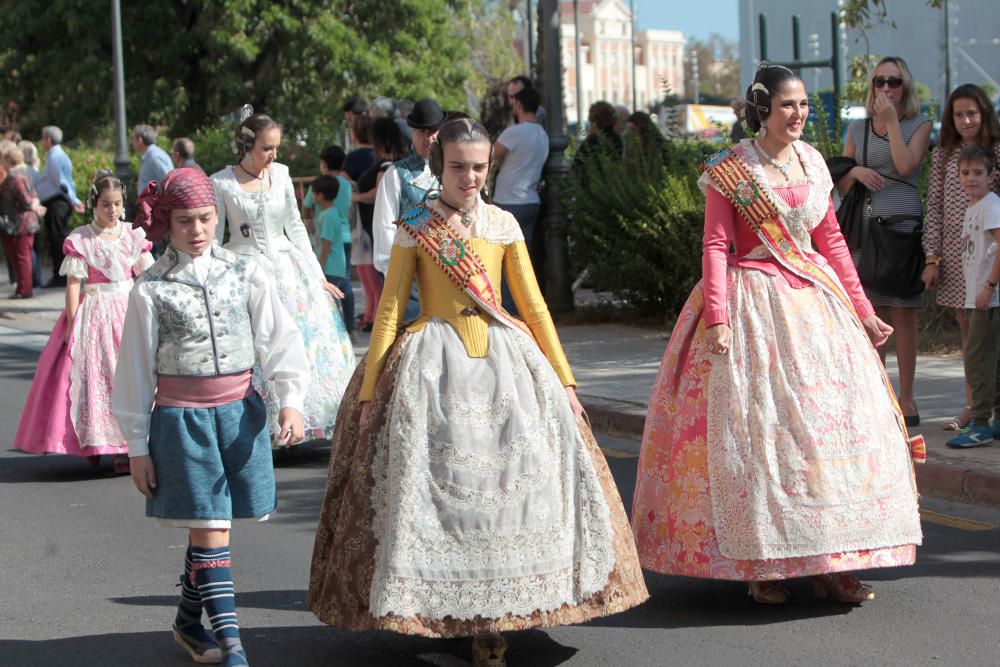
x=783, y=168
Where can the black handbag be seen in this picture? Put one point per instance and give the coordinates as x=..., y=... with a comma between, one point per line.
x=892, y=253
x=892, y=257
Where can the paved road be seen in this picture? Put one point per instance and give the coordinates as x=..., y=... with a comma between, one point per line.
x=85, y=581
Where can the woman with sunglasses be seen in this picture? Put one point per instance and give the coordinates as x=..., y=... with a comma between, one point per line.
x=897, y=139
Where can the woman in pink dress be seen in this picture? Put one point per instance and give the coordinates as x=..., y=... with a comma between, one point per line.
x=68, y=410
x=774, y=447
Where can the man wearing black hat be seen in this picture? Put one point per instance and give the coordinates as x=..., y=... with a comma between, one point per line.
x=405, y=183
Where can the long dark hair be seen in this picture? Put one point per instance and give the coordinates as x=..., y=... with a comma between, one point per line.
x=989, y=128
x=387, y=139
x=766, y=83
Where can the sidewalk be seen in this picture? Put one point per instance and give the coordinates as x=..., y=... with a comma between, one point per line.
x=616, y=366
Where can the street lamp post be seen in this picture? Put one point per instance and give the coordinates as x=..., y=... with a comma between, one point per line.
x=631, y=32
x=558, y=292
x=579, y=68
x=122, y=164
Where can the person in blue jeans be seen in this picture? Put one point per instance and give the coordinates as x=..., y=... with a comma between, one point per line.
x=331, y=254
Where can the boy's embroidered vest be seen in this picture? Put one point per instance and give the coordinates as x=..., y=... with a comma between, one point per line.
x=204, y=329
x=414, y=184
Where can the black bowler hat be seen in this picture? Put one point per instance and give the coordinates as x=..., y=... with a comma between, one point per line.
x=426, y=115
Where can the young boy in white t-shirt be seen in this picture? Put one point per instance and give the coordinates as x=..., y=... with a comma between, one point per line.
x=981, y=268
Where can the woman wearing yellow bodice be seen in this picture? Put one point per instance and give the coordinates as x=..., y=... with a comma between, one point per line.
x=466, y=496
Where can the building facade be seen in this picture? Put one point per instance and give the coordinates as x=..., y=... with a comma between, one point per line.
x=944, y=47
x=606, y=58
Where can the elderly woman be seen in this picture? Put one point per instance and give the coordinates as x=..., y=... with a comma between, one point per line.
x=20, y=210
x=896, y=136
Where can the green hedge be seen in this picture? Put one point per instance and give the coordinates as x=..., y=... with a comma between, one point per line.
x=636, y=221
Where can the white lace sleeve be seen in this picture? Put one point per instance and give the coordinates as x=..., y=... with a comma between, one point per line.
x=74, y=267
x=403, y=239
x=500, y=226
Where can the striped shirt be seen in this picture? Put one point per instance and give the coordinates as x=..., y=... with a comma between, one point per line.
x=527, y=147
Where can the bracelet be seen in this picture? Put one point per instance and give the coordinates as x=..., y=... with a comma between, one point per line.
x=932, y=260
x=990, y=285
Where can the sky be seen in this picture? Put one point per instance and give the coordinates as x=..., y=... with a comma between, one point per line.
x=695, y=18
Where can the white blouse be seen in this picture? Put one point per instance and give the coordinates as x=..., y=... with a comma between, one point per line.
x=276, y=340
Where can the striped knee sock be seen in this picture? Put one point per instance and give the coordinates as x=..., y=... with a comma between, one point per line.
x=210, y=570
x=189, y=610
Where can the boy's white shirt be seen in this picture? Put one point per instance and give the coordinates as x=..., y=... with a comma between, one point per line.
x=277, y=343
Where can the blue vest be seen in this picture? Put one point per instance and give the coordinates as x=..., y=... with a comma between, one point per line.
x=414, y=184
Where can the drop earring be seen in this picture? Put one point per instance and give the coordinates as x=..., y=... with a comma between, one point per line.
x=763, y=132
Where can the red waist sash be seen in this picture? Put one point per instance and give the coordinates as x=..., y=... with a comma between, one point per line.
x=186, y=391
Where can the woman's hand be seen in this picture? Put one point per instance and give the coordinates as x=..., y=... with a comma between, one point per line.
x=332, y=290
x=870, y=178
x=143, y=474
x=878, y=330
x=930, y=276
x=884, y=110
x=290, y=427
x=366, y=409
x=574, y=402
x=718, y=338
x=983, y=297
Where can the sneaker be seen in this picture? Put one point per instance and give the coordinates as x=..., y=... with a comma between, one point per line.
x=200, y=645
x=973, y=435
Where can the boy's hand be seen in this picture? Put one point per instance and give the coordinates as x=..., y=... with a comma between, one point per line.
x=143, y=475
x=983, y=298
x=290, y=428
x=333, y=290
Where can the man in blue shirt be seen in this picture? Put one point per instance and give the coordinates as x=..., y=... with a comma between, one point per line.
x=57, y=193
x=154, y=163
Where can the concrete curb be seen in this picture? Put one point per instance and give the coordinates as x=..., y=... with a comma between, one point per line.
x=946, y=480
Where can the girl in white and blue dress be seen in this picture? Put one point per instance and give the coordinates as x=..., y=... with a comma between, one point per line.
x=198, y=322
x=255, y=198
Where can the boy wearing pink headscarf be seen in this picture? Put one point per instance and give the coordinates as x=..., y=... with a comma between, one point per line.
x=198, y=320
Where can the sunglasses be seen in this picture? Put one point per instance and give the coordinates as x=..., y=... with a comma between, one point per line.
x=893, y=82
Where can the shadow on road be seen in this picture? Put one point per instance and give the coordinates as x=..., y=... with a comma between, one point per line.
x=300, y=646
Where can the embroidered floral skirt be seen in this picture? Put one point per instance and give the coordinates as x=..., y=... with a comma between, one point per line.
x=327, y=343
x=470, y=501
x=783, y=458
x=68, y=408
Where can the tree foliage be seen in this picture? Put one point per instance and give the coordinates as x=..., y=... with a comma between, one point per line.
x=190, y=62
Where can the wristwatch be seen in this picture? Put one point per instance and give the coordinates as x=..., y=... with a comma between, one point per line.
x=932, y=260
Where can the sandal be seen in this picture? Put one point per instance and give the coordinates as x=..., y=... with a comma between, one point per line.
x=768, y=592
x=488, y=650
x=959, y=422
x=844, y=587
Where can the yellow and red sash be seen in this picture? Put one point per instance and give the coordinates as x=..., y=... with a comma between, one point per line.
x=449, y=252
x=736, y=182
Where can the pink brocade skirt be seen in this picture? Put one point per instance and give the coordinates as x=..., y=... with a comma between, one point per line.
x=673, y=519
x=68, y=408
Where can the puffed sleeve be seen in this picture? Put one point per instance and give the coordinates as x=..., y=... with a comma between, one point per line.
x=277, y=342
x=532, y=307
x=219, y=179
x=384, y=218
x=134, y=386
x=294, y=229
x=74, y=265
x=719, y=218
x=389, y=317
x=831, y=245
x=935, y=204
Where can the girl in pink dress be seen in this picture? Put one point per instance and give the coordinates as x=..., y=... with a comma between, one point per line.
x=68, y=410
